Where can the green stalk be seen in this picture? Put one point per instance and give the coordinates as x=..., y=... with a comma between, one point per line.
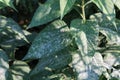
x=83, y=10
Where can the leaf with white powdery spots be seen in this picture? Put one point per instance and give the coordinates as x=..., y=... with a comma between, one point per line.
x=107, y=7
x=53, y=62
x=52, y=39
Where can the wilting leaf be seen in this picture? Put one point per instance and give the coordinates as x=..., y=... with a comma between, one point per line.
x=52, y=39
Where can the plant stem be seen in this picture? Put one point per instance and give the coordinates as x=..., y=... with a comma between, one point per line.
x=83, y=10
x=87, y=3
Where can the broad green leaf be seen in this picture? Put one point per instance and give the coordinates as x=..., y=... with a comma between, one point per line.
x=53, y=62
x=46, y=13
x=65, y=73
x=12, y=26
x=85, y=35
x=52, y=39
x=117, y=3
x=107, y=7
x=4, y=66
x=20, y=70
x=65, y=6
x=90, y=71
x=5, y=3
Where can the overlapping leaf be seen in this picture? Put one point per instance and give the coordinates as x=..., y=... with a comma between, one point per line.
x=53, y=62
x=106, y=28
x=50, y=40
x=65, y=6
x=84, y=61
x=4, y=66
x=12, y=26
x=117, y=3
x=107, y=7
x=88, y=71
x=85, y=35
x=46, y=13
x=4, y=3
x=20, y=70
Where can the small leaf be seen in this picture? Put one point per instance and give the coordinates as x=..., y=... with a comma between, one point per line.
x=7, y=3
x=4, y=66
x=65, y=6
x=52, y=39
x=112, y=55
x=7, y=23
x=20, y=70
x=107, y=7
x=46, y=13
x=117, y=3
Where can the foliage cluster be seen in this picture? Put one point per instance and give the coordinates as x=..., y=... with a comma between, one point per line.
x=81, y=41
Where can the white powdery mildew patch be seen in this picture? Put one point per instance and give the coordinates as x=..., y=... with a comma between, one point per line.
x=2, y=73
x=52, y=39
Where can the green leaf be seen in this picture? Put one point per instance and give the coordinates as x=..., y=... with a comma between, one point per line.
x=53, y=62
x=117, y=3
x=85, y=35
x=2, y=5
x=91, y=63
x=112, y=59
x=4, y=66
x=88, y=68
x=52, y=39
x=65, y=6
x=20, y=70
x=7, y=3
x=107, y=7
x=46, y=13
x=112, y=55
x=12, y=26
x=112, y=36
x=106, y=28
